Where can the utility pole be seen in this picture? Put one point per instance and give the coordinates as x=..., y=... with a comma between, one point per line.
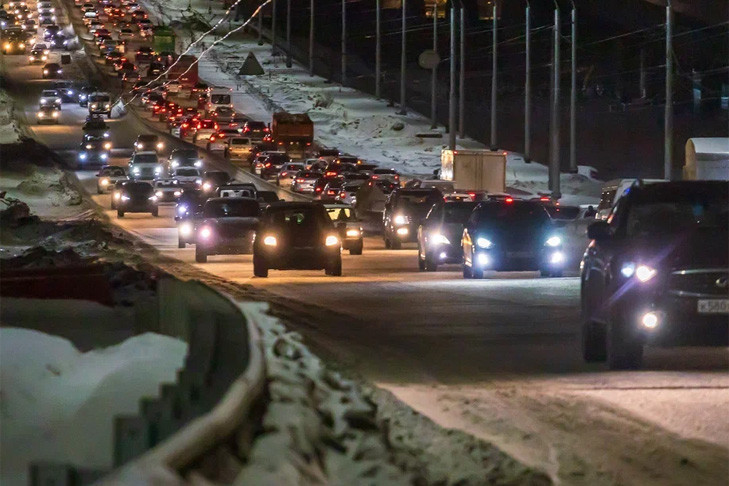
x=528, y=87
x=452, y=87
x=403, y=59
x=260, y=27
x=311, y=38
x=494, y=78
x=344, y=42
x=643, y=75
x=462, y=78
x=668, y=115
x=554, y=165
x=273, y=27
x=434, y=73
x=378, y=46
x=288, y=34
x=573, y=94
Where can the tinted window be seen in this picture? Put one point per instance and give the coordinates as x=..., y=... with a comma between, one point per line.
x=184, y=154
x=138, y=189
x=458, y=212
x=295, y=218
x=147, y=138
x=407, y=200
x=231, y=208
x=513, y=214
x=240, y=141
x=220, y=99
x=187, y=172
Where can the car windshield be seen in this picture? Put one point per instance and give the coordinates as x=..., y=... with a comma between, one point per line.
x=220, y=99
x=680, y=210
x=232, y=208
x=147, y=138
x=308, y=174
x=340, y=214
x=184, y=154
x=414, y=200
x=99, y=98
x=145, y=159
x=187, y=172
x=49, y=92
x=217, y=177
x=458, y=212
x=138, y=189
x=513, y=215
x=295, y=219
x=113, y=172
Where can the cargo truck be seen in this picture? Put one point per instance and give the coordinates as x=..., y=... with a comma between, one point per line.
x=293, y=132
x=707, y=159
x=189, y=79
x=479, y=170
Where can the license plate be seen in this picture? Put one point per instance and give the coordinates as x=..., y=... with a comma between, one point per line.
x=713, y=306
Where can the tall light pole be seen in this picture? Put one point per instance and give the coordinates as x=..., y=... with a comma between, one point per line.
x=554, y=166
x=668, y=114
x=403, y=58
x=260, y=27
x=573, y=93
x=452, y=87
x=288, y=34
x=462, y=78
x=311, y=38
x=378, y=48
x=344, y=42
x=273, y=27
x=434, y=72
x=528, y=87
x=494, y=77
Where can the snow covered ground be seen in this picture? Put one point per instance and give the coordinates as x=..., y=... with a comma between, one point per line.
x=344, y=118
x=9, y=132
x=58, y=404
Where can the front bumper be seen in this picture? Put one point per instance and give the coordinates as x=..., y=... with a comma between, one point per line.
x=308, y=258
x=445, y=254
x=219, y=245
x=552, y=259
x=135, y=207
x=406, y=233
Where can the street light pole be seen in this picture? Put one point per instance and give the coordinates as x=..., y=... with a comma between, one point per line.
x=273, y=27
x=288, y=34
x=311, y=38
x=528, y=87
x=462, y=78
x=494, y=77
x=434, y=73
x=378, y=46
x=452, y=87
x=668, y=114
x=573, y=94
x=260, y=27
x=403, y=58
x=554, y=165
x=344, y=42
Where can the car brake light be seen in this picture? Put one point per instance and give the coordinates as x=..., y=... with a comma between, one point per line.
x=283, y=174
x=330, y=174
x=212, y=138
x=375, y=177
x=318, y=189
x=299, y=180
x=544, y=198
x=509, y=200
x=342, y=194
x=268, y=164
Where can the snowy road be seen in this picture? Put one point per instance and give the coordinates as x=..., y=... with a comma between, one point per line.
x=498, y=358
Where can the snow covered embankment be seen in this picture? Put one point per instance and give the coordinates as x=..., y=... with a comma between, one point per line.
x=9, y=132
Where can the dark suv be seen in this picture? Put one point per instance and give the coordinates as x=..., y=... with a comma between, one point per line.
x=404, y=211
x=657, y=272
x=439, y=237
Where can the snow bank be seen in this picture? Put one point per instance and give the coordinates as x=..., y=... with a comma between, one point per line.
x=58, y=404
x=9, y=132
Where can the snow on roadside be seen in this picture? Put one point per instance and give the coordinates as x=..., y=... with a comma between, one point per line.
x=9, y=132
x=58, y=404
x=352, y=121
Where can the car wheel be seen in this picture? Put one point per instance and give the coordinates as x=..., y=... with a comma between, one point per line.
x=259, y=267
x=388, y=243
x=119, y=213
x=113, y=204
x=155, y=212
x=396, y=244
x=421, y=260
x=207, y=146
x=180, y=243
x=431, y=265
x=335, y=268
x=226, y=154
x=200, y=255
x=357, y=249
x=194, y=139
x=476, y=273
x=624, y=349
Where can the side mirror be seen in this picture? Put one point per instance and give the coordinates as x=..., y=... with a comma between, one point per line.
x=599, y=230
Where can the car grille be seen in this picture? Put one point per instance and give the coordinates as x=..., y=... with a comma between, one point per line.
x=699, y=282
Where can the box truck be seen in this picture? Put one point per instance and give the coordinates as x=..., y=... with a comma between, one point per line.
x=707, y=159
x=293, y=132
x=479, y=170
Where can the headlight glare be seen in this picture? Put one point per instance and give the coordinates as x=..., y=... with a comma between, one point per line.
x=644, y=273
x=484, y=242
x=440, y=239
x=352, y=233
x=554, y=241
x=331, y=240
x=400, y=219
x=270, y=240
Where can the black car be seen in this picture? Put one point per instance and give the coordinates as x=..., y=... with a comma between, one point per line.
x=657, y=272
x=348, y=227
x=83, y=94
x=93, y=151
x=212, y=179
x=66, y=90
x=187, y=213
x=52, y=70
x=439, y=236
x=137, y=197
x=184, y=158
x=228, y=226
x=404, y=211
x=95, y=126
x=296, y=236
x=148, y=143
x=511, y=235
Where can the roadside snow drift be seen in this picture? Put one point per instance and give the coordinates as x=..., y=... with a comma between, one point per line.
x=58, y=404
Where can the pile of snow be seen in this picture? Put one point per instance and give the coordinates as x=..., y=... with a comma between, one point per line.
x=345, y=118
x=9, y=132
x=58, y=404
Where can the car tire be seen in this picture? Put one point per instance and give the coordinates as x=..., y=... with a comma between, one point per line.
x=207, y=147
x=430, y=264
x=155, y=212
x=181, y=244
x=98, y=190
x=476, y=273
x=119, y=213
x=357, y=249
x=259, y=267
x=624, y=350
x=113, y=204
x=226, y=154
x=194, y=139
x=200, y=255
x=334, y=269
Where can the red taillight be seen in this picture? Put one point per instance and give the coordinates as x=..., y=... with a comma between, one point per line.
x=544, y=198
x=212, y=138
x=330, y=174
x=318, y=189
x=283, y=174
x=509, y=200
x=266, y=129
x=342, y=194
x=397, y=177
x=268, y=164
x=375, y=177
x=185, y=125
x=246, y=129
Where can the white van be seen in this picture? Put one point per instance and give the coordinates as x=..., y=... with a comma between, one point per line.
x=219, y=98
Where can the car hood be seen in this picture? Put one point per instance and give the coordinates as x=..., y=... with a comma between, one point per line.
x=233, y=223
x=704, y=248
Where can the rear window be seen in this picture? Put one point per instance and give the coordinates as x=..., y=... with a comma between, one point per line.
x=240, y=141
x=293, y=167
x=308, y=174
x=297, y=218
x=385, y=171
x=207, y=124
x=231, y=208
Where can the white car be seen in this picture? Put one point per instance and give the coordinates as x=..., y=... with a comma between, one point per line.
x=239, y=147
x=187, y=175
x=50, y=97
x=108, y=176
x=145, y=166
x=287, y=174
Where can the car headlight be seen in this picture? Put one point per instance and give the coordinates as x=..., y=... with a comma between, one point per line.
x=88, y=146
x=135, y=170
x=198, y=163
x=40, y=114
x=270, y=241
x=153, y=198
x=186, y=229
x=400, y=219
x=45, y=71
x=157, y=170
x=553, y=241
x=82, y=97
x=198, y=181
x=482, y=242
x=352, y=233
x=138, y=145
x=207, y=186
x=104, y=182
x=158, y=193
x=439, y=239
x=94, y=106
x=107, y=106
x=106, y=134
x=642, y=272
x=107, y=145
x=160, y=145
x=206, y=232
x=82, y=156
x=43, y=102
x=55, y=114
x=331, y=240
x=182, y=209
x=104, y=156
x=124, y=197
x=177, y=193
x=174, y=163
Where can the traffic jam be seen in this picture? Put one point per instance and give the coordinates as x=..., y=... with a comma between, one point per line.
x=656, y=259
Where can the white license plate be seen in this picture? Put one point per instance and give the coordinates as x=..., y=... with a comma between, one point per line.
x=713, y=306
